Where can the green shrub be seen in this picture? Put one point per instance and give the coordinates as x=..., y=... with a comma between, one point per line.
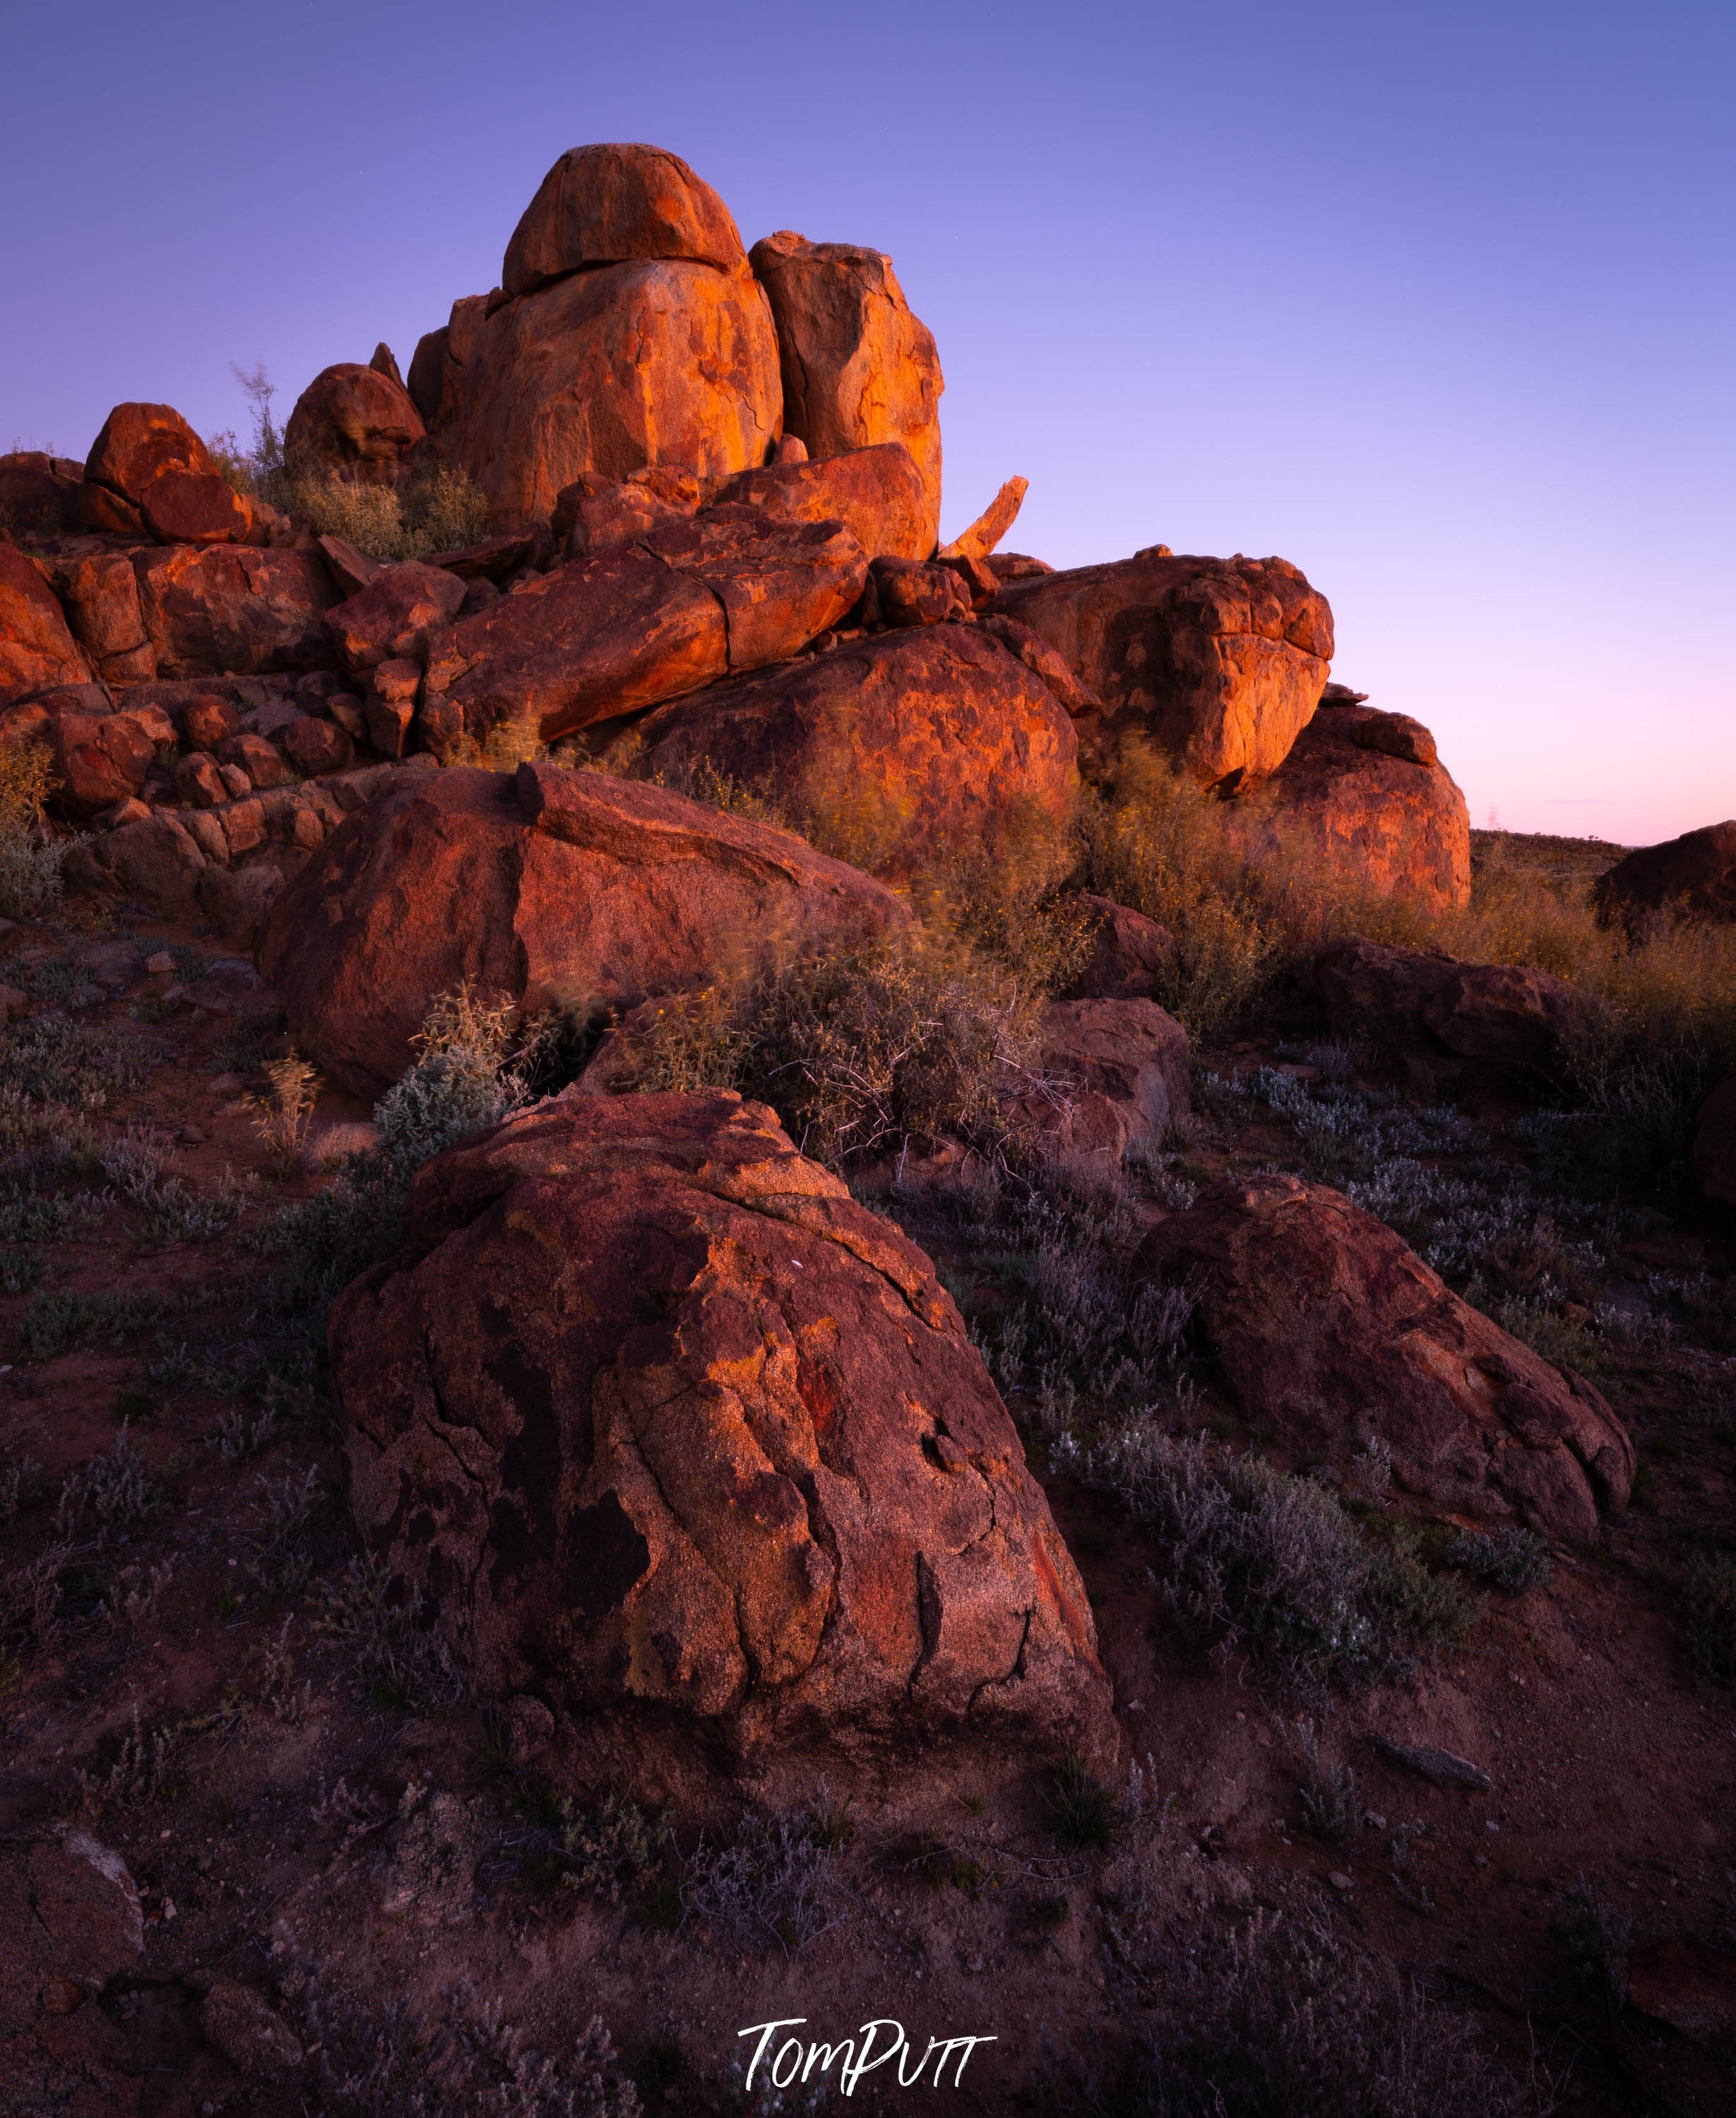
x=442, y=511
x=31, y=857
x=1258, y=1562
x=1515, y=1559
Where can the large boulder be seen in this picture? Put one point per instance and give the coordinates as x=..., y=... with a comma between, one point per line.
x=41, y=495
x=71, y=1914
x=235, y=608
x=651, y=1414
x=660, y=361
x=628, y=332
x=729, y=589
x=876, y=493
x=858, y=368
x=553, y=884
x=1131, y=956
x=1328, y=1332
x=1712, y=1159
x=1416, y=1000
x=37, y=651
x=1359, y=816
x=1221, y=662
x=920, y=736
x=610, y=203
x=353, y=421
x=148, y=457
x=439, y=367
x=1691, y=877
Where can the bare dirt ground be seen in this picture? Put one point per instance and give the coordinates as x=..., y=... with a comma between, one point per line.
x=378, y=1858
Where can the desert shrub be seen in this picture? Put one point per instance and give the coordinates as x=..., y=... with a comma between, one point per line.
x=31, y=858
x=1083, y=1813
x=384, y=2063
x=1257, y=1562
x=59, y=1320
x=442, y=511
x=1157, y=842
x=281, y=1116
x=112, y=1489
x=599, y=1849
x=1282, y=2017
x=51, y=1058
x=399, y=1660
x=1332, y=1800
x=1709, y=1612
x=906, y=1040
x=776, y=1882
x=1514, y=1560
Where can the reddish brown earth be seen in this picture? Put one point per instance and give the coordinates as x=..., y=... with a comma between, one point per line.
x=271, y=1856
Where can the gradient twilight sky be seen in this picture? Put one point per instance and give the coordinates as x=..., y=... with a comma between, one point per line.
x=1435, y=300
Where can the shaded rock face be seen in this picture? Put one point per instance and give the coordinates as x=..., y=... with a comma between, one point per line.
x=689, y=602
x=235, y=608
x=553, y=884
x=876, y=493
x=353, y=420
x=1362, y=815
x=40, y=495
x=658, y=361
x=1691, y=877
x=1325, y=1329
x=439, y=369
x=1712, y=1159
x=36, y=649
x=928, y=733
x=100, y=592
x=1415, y=999
x=152, y=460
x=653, y=1413
x=858, y=368
x=1220, y=661
x=392, y=615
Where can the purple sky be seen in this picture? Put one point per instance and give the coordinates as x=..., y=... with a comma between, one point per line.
x=1435, y=300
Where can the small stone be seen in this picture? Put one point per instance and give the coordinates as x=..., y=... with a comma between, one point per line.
x=161, y=965
x=62, y=1996
x=250, y=2036
x=1340, y=1882
x=1479, y=1859
x=192, y=1135
x=235, y=779
x=226, y=1085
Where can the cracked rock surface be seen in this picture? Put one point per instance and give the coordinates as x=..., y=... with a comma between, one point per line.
x=651, y=1410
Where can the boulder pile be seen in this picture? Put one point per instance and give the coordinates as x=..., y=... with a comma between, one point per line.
x=713, y=475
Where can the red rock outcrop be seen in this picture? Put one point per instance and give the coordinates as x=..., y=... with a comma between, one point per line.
x=1327, y=1331
x=991, y=525
x=100, y=759
x=876, y=493
x=1691, y=877
x=919, y=736
x=1360, y=815
x=40, y=495
x=691, y=601
x=235, y=608
x=70, y=1913
x=555, y=883
x=148, y=456
x=756, y=1474
x=594, y=514
x=1415, y=1000
x=660, y=361
x=36, y=649
x=1221, y=661
x=858, y=368
x=355, y=421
